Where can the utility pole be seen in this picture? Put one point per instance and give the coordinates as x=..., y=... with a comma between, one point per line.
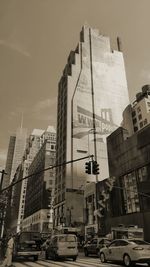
x=2, y=204
x=2, y=177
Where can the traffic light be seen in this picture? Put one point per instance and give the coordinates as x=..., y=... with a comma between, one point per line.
x=88, y=167
x=95, y=167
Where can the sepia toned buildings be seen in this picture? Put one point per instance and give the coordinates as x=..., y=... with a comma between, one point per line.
x=92, y=95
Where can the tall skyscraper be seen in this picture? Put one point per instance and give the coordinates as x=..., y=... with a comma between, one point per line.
x=14, y=158
x=9, y=161
x=20, y=145
x=92, y=95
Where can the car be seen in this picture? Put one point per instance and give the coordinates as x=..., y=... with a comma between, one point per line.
x=27, y=244
x=94, y=246
x=127, y=251
x=62, y=246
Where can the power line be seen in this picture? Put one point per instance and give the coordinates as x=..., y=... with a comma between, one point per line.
x=48, y=168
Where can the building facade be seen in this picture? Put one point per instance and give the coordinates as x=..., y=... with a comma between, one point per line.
x=20, y=145
x=136, y=116
x=129, y=162
x=92, y=95
x=38, y=214
x=9, y=161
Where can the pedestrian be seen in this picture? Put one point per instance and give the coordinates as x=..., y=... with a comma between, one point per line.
x=9, y=251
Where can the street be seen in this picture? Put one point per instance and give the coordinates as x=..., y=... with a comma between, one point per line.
x=81, y=261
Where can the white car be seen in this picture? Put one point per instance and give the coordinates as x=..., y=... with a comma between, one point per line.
x=126, y=251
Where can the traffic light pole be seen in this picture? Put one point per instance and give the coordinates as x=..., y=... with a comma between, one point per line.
x=2, y=177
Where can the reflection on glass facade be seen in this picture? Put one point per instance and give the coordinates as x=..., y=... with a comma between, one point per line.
x=130, y=193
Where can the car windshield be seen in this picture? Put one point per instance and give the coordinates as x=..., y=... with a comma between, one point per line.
x=140, y=242
x=29, y=236
x=67, y=238
x=106, y=242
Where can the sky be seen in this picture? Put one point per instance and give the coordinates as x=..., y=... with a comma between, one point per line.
x=36, y=37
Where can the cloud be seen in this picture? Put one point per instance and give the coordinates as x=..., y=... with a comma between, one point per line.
x=15, y=46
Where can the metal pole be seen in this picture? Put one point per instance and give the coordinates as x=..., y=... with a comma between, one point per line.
x=2, y=177
x=93, y=103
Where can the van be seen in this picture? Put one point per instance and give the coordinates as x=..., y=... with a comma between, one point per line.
x=62, y=246
x=27, y=244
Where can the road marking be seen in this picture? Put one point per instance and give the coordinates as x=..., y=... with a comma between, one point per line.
x=81, y=262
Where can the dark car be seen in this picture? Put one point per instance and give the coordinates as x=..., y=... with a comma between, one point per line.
x=27, y=244
x=94, y=246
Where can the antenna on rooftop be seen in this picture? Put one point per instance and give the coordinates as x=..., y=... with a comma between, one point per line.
x=21, y=126
x=119, y=44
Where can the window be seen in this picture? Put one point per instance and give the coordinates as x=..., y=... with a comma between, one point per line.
x=134, y=120
x=148, y=103
x=114, y=243
x=123, y=243
x=138, y=109
x=141, y=124
x=140, y=116
x=94, y=241
x=133, y=113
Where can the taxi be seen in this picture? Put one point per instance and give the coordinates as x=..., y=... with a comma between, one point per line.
x=126, y=251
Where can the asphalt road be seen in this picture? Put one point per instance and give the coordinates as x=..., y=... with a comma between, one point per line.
x=81, y=261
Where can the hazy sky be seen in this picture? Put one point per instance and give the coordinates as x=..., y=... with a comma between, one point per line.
x=36, y=37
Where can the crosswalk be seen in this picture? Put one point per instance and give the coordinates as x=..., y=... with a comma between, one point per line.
x=80, y=262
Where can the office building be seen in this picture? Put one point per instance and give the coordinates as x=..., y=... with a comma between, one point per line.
x=129, y=162
x=136, y=116
x=20, y=145
x=9, y=161
x=92, y=95
x=16, y=207
x=38, y=214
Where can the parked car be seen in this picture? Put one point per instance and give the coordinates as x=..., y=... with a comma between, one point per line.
x=94, y=246
x=62, y=246
x=27, y=244
x=126, y=251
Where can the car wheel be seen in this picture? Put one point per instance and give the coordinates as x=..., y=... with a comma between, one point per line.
x=98, y=252
x=74, y=258
x=35, y=258
x=86, y=253
x=127, y=260
x=55, y=257
x=148, y=263
x=102, y=257
x=46, y=255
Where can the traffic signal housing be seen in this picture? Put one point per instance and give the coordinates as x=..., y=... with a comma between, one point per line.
x=88, y=167
x=95, y=167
